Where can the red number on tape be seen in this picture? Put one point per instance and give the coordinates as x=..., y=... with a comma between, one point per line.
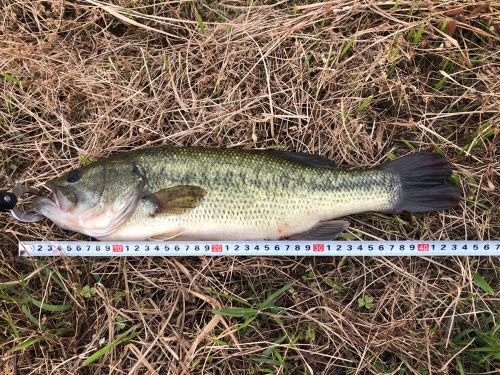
x=423, y=247
x=117, y=248
x=318, y=248
x=216, y=248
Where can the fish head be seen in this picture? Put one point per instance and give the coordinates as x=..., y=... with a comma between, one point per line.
x=95, y=199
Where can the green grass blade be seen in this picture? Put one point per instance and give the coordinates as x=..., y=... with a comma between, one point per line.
x=483, y=349
x=8, y=298
x=221, y=342
x=478, y=138
x=27, y=343
x=391, y=156
x=346, y=48
x=10, y=78
x=365, y=103
x=408, y=144
x=237, y=312
x=265, y=361
x=199, y=21
x=9, y=284
x=107, y=348
x=462, y=338
x=479, y=204
x=269, y=300
x=54, y=276
x=6, y=316
x=85, y=160
x=247, y=322
x=460, y=367
x=48, y=306
x=418, y=34
x=483, y=284
x=440, y=83
x=33, y=319
x=230, y=297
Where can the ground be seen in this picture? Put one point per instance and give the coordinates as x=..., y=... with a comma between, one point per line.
x=359, y=82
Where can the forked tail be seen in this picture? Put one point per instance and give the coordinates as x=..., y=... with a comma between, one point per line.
x=424, y=186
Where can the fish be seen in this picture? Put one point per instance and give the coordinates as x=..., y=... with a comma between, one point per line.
x=190, y=193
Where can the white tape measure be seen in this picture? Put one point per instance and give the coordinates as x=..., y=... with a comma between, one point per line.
x=260, y=248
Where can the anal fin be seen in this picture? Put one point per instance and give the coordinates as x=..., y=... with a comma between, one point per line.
x=323, y=231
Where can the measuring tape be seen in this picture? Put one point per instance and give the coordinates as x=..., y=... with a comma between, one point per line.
x=259, y=248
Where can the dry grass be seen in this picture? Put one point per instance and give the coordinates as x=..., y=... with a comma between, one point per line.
x=356, y=81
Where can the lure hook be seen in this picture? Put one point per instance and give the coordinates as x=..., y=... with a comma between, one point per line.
x=8, y=201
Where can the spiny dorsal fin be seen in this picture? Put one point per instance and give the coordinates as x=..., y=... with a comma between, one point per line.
x=177, y=200
x=323, y=231
x=302, y=158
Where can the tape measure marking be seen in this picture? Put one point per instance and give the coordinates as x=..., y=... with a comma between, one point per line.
x=260, y=248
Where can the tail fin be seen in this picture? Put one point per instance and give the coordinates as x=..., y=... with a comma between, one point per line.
x=423, y=183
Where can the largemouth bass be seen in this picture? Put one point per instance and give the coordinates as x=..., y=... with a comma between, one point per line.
x=196, y=193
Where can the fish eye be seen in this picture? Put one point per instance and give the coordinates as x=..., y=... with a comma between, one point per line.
x=74, y=176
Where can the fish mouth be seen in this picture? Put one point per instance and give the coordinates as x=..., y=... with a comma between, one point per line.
x=62, y=200
x=54, y=199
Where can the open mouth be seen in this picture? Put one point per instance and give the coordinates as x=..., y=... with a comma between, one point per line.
x=61, y=200
x=55, y=200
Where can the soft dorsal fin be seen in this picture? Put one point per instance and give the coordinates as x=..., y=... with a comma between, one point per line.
x=323, y=231
x=302, y=158
x=176, y=200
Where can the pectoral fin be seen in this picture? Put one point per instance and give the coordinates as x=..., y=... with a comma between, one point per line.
x=177, y=199
x=323, y=231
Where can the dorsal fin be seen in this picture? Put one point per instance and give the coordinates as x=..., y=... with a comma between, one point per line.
x=302, y=158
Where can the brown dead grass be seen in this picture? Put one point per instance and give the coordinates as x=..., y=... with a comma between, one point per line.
x=91, y=78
